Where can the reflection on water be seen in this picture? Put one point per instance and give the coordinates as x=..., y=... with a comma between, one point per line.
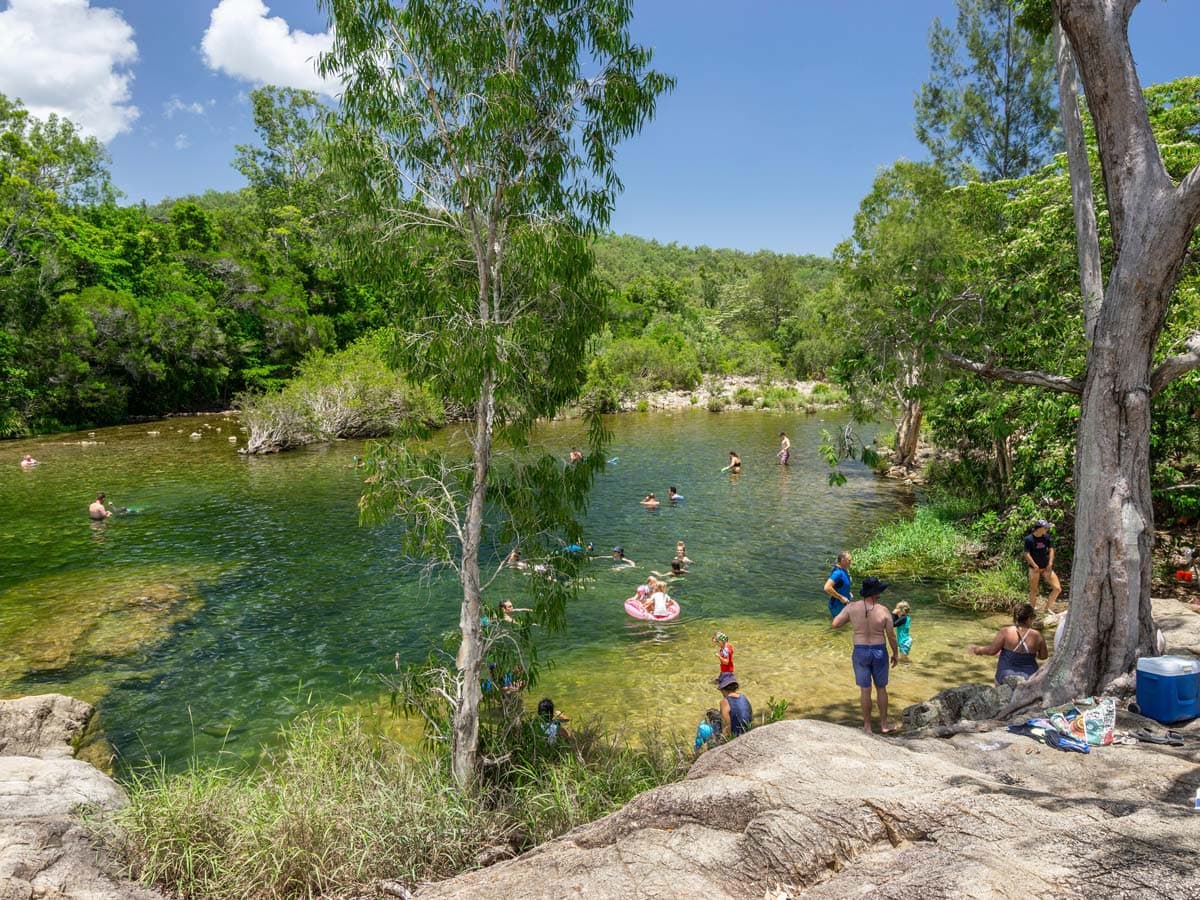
x=244, y=588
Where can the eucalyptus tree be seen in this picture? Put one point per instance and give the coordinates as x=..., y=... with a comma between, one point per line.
x=903, y=272
x=482, y=134
x=989, y=101
x=1152, y=192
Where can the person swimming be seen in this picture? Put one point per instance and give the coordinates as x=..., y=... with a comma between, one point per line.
x=28, y=462
x=619, y=557
x=673, y=495
x=735, y=464
x=650, y=501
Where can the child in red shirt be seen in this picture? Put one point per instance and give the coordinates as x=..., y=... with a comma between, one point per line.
x=724, y=651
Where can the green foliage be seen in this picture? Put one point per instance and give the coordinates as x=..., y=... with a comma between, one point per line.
x=336, y=807
x=351, y=393
x=926, y=546
x=993, y=589
x=776, y=709
x=745, y=396
x=989, y=103
x=717, y=402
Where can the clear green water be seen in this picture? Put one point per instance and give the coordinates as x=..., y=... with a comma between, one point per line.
x=244, y=588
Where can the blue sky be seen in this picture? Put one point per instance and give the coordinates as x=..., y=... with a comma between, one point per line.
x=784, y=110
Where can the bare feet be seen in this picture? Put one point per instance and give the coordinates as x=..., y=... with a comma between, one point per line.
x=867, y=729
x=885, y=728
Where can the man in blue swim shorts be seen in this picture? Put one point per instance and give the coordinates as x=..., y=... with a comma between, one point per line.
x=872, y=625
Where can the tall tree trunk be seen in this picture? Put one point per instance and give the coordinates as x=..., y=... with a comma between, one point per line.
x=465, y=744
x=1087, y=239
x=908, y=432
x=1002, y=449
x=1109, y=625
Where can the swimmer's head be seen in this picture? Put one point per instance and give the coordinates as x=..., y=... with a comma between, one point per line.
x=100, y=497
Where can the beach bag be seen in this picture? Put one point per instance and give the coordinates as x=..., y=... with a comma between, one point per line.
x=1087, y=720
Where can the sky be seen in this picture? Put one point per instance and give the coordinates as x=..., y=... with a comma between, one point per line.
x=783, y=113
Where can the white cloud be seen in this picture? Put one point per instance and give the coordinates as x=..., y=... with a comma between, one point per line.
x=175, y=105
x=64, y=57
x=244, y=41
x=182, y=142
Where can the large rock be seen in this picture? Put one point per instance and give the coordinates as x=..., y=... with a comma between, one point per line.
x=815, y=809
x=976, y=702
x=44, y=726
x=44, y=852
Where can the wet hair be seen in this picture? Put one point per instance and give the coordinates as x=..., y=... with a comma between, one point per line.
x=100, y=496
x=1023, y=614
x=546, y=708
x=673, y=489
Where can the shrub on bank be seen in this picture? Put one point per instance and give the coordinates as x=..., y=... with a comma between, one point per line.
x=336, y=807
x=993, y=589
x=922, y=547
x=349, y=394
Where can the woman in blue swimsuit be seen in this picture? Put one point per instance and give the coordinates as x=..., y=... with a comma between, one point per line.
x=1019, y=646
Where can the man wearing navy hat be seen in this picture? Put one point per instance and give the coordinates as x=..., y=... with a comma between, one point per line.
x=872, y=622
x=1039, y=556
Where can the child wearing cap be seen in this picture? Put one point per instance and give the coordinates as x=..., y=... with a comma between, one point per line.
x=901, y=621
x=1039, y=556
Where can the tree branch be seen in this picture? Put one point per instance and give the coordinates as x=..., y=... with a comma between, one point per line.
x=1174, y=366
x=1189, y=194
x=1014, y=376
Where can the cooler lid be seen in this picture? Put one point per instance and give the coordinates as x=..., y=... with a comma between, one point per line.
x=1169, y=665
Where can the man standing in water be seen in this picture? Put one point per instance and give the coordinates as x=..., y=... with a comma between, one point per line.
x=872, y=623
x=837, y=585
x=99, y=509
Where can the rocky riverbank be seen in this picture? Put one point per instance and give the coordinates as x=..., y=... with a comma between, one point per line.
x=799, y=808
x=44, y=850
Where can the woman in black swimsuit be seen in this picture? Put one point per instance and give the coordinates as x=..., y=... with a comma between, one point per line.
x=735, y=464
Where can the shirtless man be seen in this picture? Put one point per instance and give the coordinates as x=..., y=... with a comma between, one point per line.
x=99, y=509
x=872, y=623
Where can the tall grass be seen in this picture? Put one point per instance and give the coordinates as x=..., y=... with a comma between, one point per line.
x=996, y=589
x=926, y=546
x=335, y=808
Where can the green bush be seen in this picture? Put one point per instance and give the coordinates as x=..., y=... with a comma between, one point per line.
x=996, y=589
x=629, y=366
x=925, y=546
x=745, y=396
x=351, y=393
x=779, y=397
x=717, y=402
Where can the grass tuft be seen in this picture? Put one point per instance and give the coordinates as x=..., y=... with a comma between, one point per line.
x=926, y=546
x=335, y=808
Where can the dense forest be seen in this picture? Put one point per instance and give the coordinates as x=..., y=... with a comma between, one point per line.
x=109, y=312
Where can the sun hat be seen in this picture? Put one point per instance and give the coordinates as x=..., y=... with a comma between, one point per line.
x=872, y=587
x=726, y=681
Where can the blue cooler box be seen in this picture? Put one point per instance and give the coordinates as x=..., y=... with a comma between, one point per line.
x=1168, y=688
